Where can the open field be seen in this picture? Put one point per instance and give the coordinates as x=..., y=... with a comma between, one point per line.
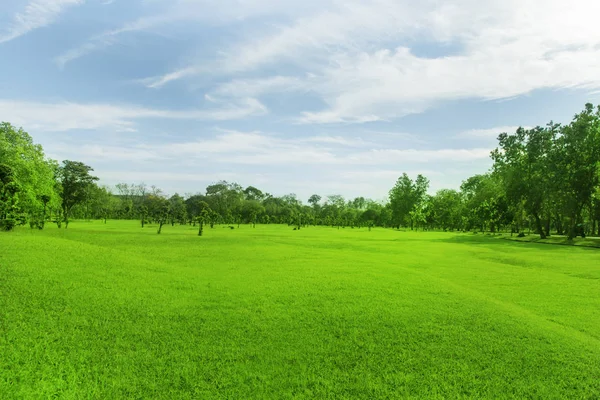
x=114, y=311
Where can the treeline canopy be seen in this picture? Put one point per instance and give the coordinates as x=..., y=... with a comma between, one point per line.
x=545, y=179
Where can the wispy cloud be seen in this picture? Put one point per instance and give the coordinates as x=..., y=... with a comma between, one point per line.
x=37, y=14
x=63, y=116
x=160, y=81
x=257, y=148
x=488, y=133
x=256, y=157
x=504, y=49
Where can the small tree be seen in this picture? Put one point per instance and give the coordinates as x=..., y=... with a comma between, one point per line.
x=162, y=213
x=143, y=214
x=204, y=214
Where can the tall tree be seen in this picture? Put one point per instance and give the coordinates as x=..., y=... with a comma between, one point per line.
x=407, y=196
x=522, y=160
x=75, y=180
x=577, y=160
x=30, y=171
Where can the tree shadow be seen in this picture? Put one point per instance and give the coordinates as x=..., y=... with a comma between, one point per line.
x=505, y=241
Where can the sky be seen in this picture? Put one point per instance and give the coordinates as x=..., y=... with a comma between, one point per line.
x=326, y=97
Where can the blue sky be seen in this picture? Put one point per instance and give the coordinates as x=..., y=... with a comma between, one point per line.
x=328, y=97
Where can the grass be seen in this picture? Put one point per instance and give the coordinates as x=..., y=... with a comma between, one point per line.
x=115, y=311
x=558, y=239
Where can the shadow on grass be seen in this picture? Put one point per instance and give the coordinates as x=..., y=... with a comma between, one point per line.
x=506, y=240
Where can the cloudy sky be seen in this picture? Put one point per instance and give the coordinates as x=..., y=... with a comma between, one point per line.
x=295, y=96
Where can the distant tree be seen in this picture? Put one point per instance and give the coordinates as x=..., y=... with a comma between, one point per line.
x=446, y=208
x=161, y=212
x=203, y=215
x=252, y=193
x=407, y=196
x=75, y=180
x=314, y=200
x=178, y=209
x=251, y=209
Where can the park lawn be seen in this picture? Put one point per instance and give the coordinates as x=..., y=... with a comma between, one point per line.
x=115, y=311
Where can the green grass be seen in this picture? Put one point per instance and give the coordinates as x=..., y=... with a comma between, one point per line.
x=557, y=239
x=115, y=311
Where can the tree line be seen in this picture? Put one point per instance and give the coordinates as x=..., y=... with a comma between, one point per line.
x=544, y=179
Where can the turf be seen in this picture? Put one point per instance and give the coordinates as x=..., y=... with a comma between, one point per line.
x=115, y=311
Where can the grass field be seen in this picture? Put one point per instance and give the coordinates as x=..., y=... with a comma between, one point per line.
x=115, y=311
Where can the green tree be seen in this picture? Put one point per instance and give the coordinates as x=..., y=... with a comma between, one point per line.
x=522, y=160
x=576, y=164
x=9, y=202
x=406, y=196
x=204, y=214
x=178, y=209
x=31, y=172
x=446, y=209
x=75, y=180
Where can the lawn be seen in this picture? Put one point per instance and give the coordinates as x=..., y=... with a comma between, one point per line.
x=115, y=311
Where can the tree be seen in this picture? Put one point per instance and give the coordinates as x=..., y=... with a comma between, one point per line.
x=160, y=211
x=31, y=173
x=446, y=207
x=251, y=209
x=178, y=209
x=406, y=196
x=252, y=193
x=9, y=202
x=314, y=200
x=577, y=160
x=203, y=215
x=522, y=162
x=75, y=180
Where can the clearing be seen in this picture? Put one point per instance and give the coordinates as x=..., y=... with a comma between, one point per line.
x=115, y=311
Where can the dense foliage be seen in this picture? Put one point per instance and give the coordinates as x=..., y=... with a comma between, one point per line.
x=544, y=179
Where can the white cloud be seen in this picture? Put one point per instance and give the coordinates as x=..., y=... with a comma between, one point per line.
x=257, y=148
x=160, y=81
x=488, y=133
x=339, y=141
x=364, y=67
x=37, y=14
x=63, y=116
x=108, y=38
x=278, y=164
x=257, y=87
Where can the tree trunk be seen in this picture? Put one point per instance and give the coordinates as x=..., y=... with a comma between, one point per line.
x=547, y=227
x=43, y=223
x=559, y=227
x=575, y=218
x=201, y=228
x=160, y=224
x=538, y=225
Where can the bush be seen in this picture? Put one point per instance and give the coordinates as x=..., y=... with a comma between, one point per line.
x=521, y=234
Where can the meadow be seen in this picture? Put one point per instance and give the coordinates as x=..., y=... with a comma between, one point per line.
x=116, y=311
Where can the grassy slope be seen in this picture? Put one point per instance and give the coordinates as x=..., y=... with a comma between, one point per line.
x=118, y=312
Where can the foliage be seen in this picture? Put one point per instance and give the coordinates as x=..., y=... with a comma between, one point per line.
x=544, y=179
x=30, y=172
